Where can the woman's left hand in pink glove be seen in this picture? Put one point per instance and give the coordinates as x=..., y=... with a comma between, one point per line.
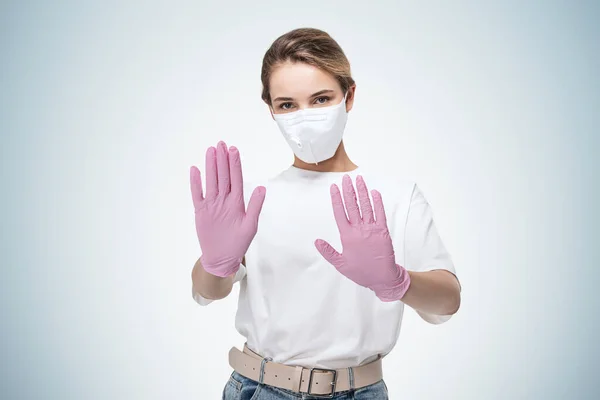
x=367, y=256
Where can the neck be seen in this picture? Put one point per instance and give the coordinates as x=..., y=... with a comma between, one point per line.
x=340, y=162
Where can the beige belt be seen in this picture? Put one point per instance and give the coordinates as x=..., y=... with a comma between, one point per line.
x=313, y=381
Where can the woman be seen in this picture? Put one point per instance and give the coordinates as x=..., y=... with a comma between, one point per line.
x=324, y=281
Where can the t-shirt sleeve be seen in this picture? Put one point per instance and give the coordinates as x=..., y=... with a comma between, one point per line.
x=203, y=301
x=423, y=247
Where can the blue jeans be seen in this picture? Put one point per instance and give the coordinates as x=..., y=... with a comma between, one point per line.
x=238, y=387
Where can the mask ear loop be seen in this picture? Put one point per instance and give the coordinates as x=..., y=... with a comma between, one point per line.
x=344, y=101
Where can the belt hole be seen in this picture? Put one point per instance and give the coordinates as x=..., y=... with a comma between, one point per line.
x=275, y=376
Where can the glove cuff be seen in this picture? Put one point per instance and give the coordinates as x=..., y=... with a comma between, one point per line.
x=221, y=268
x=395, y=290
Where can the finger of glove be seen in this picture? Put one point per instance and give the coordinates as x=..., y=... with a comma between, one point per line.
x=350, y=201
x=329, y=253
x=365, y=203
x=196, y=187
x=211, y=173
x=339, y=211
x=235, y=169
x=380, y=218
x=255, y=205
x=224, y=178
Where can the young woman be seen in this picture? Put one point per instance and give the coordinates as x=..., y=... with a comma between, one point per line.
x=324, y=281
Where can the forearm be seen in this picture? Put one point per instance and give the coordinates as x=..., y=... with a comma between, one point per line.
x=433, y=292
x=208, y=285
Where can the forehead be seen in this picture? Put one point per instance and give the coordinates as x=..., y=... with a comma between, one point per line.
x=299, y=80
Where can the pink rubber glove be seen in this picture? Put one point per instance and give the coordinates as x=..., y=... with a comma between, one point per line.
x=368, y=254
x=225, y=229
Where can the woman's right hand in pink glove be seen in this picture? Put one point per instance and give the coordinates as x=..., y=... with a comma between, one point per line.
x=225, y=228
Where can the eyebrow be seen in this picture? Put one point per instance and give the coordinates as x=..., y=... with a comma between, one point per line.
x=312, y=95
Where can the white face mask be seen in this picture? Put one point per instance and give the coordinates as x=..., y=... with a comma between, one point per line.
x=314, y=134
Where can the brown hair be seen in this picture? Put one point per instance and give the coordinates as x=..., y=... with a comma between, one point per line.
x=311, y=46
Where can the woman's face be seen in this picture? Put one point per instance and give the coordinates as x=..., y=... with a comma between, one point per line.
x=296, y=86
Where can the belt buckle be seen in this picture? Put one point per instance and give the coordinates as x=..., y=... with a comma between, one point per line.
x=333, y=383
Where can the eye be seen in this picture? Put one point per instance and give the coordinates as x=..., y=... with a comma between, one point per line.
x=285, y=106
x=322, y=100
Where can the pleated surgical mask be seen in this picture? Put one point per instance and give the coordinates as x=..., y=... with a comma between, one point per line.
x=314, y=134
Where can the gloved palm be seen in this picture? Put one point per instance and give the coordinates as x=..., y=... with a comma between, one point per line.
x=368, y=256
x=224, y=228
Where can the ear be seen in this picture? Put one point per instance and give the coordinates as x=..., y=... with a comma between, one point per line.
x=350, y=97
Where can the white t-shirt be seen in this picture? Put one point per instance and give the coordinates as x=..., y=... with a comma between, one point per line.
x=297, y=308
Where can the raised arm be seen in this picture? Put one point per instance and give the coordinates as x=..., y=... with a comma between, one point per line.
x=224, y=227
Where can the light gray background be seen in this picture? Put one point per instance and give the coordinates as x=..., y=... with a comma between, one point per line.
x=492, y=108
